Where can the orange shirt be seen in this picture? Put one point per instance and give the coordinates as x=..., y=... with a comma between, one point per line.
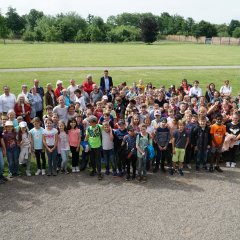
x=218, y=132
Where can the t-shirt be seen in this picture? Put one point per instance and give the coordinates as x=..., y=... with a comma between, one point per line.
x=73, y=135
x=10, y=139
x=180, y=138
x=107, y=143
x=142, y=142
x=50, y=136
x=218, y=133
x=37, y=138
x=131, y=143
x=63, y=142
x=233, y=129
x=61, y=112
x=94, y=136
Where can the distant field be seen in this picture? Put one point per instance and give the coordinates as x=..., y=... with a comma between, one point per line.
x=157, y=77
x=106, y=55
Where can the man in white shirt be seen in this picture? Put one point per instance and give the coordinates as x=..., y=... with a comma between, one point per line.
x=7, y=100
x=71, y=89
x=195, y=91
x=28, y=96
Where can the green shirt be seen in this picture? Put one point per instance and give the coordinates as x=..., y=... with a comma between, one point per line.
x=94, y=136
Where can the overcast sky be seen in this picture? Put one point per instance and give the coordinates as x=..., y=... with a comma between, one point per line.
x=214, y=11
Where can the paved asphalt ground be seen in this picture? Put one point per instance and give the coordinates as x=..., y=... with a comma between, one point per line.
x=201, y=206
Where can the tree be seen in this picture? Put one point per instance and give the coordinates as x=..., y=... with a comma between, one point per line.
x=236, y=32
x=3, y=28
x=204, y=28
x=233, y=24
x=149, y=29
x=32, y=18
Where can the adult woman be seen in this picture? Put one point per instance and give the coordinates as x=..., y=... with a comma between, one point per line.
x=186, y=86
x=22, y=108
x=226, y=89
x=37, y=105
x=50, y=97
x=209, y=95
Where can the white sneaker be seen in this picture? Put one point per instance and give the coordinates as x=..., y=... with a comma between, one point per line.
x=77, y=169
x=228, y=164
x=189, y=166
x=233, y=165
x=38, y=172
x=28, y=173
x=43, y=172
x=73, y=169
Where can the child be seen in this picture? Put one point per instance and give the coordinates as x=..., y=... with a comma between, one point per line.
x=63, y=145
x=93, y=136
x=2, y=154
x=10, y=140
x=217, y=131
x=49, y=114
x=142, y=141
x=108, y=148
x=201, y=140
x=74, y=142
x=162, y=138
x=179, y=143
x=12, y=117
x=50, y=140
x=98, y=112
x=37, y=146
x=130, y=140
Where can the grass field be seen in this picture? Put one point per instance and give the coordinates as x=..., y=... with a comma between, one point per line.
x=106, y=55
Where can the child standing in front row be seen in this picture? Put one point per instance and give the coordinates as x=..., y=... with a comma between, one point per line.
x=179, y=143
x=24, y=139
x=50, y=140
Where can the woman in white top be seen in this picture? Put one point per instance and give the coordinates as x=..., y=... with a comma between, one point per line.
x=226, y=89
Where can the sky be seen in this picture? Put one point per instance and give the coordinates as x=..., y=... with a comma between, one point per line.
x=214, y=11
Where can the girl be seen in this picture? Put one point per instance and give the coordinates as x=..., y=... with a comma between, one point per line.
x=50, y=140
x=24, y=139
x=63, y=145
x=10, y=140
x=37, y=145
x=74, y=142
x=12, y=117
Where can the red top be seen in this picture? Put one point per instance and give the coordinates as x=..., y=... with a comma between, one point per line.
x=88, y=87
x=57, y=92
x=19, y=111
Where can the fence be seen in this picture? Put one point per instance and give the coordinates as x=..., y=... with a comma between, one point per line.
x=214, y=40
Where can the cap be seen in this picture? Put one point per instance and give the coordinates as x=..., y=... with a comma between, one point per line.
x=22, y=124
x=121, y=122
x=157, y=113
x=130, y=128
x=59, y=82
x=163, y=120
x=105, y=97
x=9, y=123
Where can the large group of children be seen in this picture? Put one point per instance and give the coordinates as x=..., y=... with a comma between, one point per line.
x=127, y=130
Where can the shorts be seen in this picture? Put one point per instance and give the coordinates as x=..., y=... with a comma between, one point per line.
x=179, y=155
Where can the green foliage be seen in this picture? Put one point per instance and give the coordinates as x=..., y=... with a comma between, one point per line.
x=206, y=29
x=3, y=28
x=29, y=35
x=236, y=32
x=149, y=29
x=233, y=24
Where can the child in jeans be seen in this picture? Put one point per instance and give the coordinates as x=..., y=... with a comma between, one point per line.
x=179, y=143
x=130, y=140
x=108, y=148
x=142, y=141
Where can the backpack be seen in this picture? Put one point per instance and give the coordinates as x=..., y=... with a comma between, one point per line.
x=150, y=149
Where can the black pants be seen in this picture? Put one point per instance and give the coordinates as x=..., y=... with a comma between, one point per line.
x=163, y=156
x=132, y=160
x=121, y=159
x=95, y=159
x=232, y=153
x=40, y=155
x=75, y=156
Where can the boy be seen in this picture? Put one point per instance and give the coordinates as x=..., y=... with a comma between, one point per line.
x=179, y=143
x=162, y=138
x=93, y=136
x=201, y=140
x=217, y=131
x=130, y=140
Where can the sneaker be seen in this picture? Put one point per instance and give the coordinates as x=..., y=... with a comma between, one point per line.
x=163, y=169
x=28, y=173
x=120, y=174
x=66, y=171
x=139, y=178
x=181, y=172
x=217, y=168
x=133, y=177
x=49, y=174
x=62, y=171
x=10, y=175
x=4, y=179
x=43, y=172
x=92, y=173
x=100, y=177
x=189, y=166
x=211, y=169
x=197, y=168
x=155, y=170
x=73, y=169
x=127, y=178
x=144, y=179
x=38, y=172
x=233, y=164
x=77, y=169
x=228, y=164
x=205, y=168
x=54, y=173
x=107, y=172
x=114, y=174
x=171, y=171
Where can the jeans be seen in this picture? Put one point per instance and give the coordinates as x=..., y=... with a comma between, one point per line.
x=95, y=159
x=12, y=157
x=121, y=159
x=201, y=158
x=39, y=153
x=52, y=162
x=1, y=163
x=64, y=155
x=142, y=162
x=75, y=156
x=133, y=160
x=108, y=156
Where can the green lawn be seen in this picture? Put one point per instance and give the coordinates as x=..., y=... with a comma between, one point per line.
x=157, y=77
x=106, y=55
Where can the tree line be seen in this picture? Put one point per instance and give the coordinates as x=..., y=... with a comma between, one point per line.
x=125, y=27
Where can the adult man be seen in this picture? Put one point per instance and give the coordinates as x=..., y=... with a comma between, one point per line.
x=59, y=88
x=96, y=95
x=84, y=94
x=106, y=82
x=28, y=96
x=88, y=84
x=71, y=89
x=195, y=91
x=39, y=89
x=7, y=100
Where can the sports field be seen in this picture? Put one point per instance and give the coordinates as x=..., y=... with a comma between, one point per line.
x=112, y=55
